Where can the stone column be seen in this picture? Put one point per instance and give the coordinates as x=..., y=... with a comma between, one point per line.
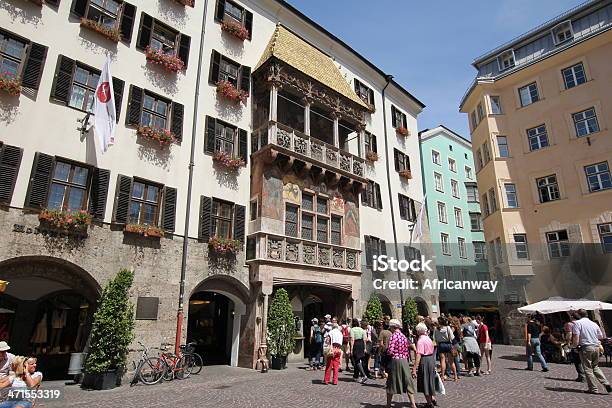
x=307, y=102
x=336, y=117
x=360, y=129
x=273, y=102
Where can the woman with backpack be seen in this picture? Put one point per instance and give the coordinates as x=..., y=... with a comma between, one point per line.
x=444, y=337
x=316, y=345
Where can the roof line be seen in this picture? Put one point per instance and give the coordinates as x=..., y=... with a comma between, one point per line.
x=450, y=131
x=318, y=27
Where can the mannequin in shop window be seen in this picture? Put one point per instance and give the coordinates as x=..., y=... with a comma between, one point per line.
x=39, y=338
x=81, y=338
x=58, y=322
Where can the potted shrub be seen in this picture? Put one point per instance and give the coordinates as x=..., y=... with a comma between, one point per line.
x=235, y=29
x=224, y=246
x=228, y=161
x=229, y=91
x=402, y=131
x=10, y=83
x=410, y=313
x=371, y=156
x=144, y=230
x=170, y=62
x=281, y=329
x=112, y=34
x=66, y=222
x=407, y=174
x=162, y=136
x=111, y=334
x=373, y=312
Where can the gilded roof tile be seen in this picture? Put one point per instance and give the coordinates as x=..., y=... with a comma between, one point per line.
x=294, y=51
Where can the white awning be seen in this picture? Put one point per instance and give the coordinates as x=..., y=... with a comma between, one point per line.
x=559, y=304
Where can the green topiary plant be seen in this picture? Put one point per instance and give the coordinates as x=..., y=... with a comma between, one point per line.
x=281, y=326
x=373, y=312
x=113, y=327
x=410, y=313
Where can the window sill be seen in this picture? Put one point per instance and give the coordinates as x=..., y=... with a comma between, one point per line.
x=590, y=135
x=591, y=193
x=562, y=90
x=542, y=149
x=549, y=203
x=532, y=103
x=492, y=115
x=511, y=209
x=503, y=158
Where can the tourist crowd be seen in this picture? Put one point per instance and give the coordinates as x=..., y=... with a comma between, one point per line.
x=16, y=373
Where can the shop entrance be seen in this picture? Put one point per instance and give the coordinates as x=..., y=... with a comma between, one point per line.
x=210, y=326
x=46, y=311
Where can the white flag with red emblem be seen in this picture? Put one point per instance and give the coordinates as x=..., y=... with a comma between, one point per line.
x=104, y=108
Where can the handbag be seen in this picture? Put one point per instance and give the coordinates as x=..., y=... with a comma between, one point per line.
x=439, y=385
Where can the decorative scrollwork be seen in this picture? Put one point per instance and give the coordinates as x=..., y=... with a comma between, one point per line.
x=291, y=252
x=300, y=145
x=283, y=138
x=275, y=248
x=338, y=258
x=309, y=254
x=316, y=151
x=351, y=260
x=332, y=157
x=324, y=256
x=345, y=163
x=357, y=168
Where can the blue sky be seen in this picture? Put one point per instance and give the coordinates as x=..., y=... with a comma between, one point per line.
x=429, y=45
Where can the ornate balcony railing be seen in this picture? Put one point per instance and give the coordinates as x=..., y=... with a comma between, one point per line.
x=308, y=148
x=303, y=252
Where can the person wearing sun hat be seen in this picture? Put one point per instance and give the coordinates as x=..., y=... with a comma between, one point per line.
x=399, y=380
x=6, y=359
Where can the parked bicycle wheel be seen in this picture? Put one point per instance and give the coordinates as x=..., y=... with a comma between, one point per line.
x=183, y=368
x=152, y=370
x=169, y=373
x=195, y=361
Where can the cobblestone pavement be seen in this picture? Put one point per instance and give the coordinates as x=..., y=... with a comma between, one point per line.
x=508, y=386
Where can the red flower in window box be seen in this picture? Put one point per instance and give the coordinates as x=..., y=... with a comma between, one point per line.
x=170, y=62
x=407, y=174
x=189, y=3
x=224, y=245
x=162, y=136
x=144, y=230
x=10, y=83
x=402, y=131
x=228, y=161
x=236, y=29
x=112, y=34
x=68, y=222
x=229, y=91
x=372, y=156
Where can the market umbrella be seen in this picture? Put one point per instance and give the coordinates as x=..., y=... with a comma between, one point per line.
x=559, y=304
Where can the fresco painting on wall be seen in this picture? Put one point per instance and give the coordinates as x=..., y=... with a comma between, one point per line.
x=337, y=204
x=351, y=218
x=272, y=195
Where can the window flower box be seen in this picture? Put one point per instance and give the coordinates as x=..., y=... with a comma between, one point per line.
x=228, y=161
x=224, y=246
x=144, y=230
x=170, y=62
x=407, y=174
x=162, y=136
x=112, y=34
x=372, y=156
x=189, y=3
x=65, y=222
x=229, y=91
x=402, y=131
x=10, y=84
x=236, y=29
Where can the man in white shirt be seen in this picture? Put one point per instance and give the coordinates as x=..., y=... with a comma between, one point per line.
x=6, y=359
x=335, y=355
x=587, y=335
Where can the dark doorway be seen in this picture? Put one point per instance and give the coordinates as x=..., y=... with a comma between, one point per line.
x=311, y=311
x=210, y=325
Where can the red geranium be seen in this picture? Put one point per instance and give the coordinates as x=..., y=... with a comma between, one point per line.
x=236, y=29
x=10, y=83
x=163, y=136
x=228, y=90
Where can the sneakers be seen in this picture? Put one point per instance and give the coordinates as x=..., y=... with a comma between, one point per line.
x=608, y=388
x=579, y=379
x=363, y=380
x=545, y=370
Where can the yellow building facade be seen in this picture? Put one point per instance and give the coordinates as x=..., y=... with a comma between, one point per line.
x=540, y=113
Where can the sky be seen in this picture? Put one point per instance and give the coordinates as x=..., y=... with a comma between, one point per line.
x=429, y=46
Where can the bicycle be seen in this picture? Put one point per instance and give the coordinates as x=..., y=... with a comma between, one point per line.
x=175, y=365
x=193, y=359
x=149, y=369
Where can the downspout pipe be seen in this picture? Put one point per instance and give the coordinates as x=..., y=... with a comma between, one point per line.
x=389, y=78
x=194, y=127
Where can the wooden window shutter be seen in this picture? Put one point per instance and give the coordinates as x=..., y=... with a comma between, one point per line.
x=215, y=60
x=378, y=197
x=178, y=113
x=144, y=32
x=118, y=86
x=396, y=154
x=393, y=121
x=10, y=160
x=239, y=222
x=34, y=65
x=211, y=125
x=169, y=210
x=243, y=149
x=219, y=10
x=383, y=247
x=402, y=207
x=412, y=216
x=134, y=106
x=53, y=2
x=205, y=210
x=79, y=7
x=63, y=79
x=245, y=78
x=122, y=199
x=183, y=50
x=368, y=250
x=407, y=162
x=248, y=22
x=357, y=86
x=126, y=26
x=404, y=121
x=364, y=197
x=371, y=97
x=39, y=181
x=98, y=193
x=373, y=143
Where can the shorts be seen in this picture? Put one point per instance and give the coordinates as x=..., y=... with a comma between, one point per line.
x=444, y=348
x=485, y=346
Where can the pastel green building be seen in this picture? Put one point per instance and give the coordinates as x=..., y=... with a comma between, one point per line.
x=454, y=217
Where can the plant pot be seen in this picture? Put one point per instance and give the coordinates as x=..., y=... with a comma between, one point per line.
x=77, y=360
x=104, y=381
x=278, y=362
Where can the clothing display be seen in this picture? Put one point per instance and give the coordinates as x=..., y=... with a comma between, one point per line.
x=40, y=333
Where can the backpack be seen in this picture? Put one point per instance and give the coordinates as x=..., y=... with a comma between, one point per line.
x=345, y=333
x=318, y=337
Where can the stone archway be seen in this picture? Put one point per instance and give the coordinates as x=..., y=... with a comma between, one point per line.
x=422, y=307
x=227, y=296
x=387, y=308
